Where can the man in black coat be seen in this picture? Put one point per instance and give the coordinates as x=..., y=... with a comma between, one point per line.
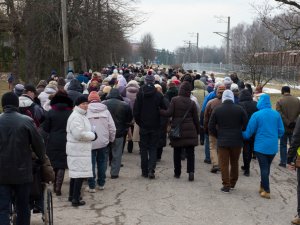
x=18, y=138
x=226, y=124
x=122, y=116
x=146, y=114
x=246, y=101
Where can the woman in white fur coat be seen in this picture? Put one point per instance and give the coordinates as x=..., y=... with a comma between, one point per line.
x=79, y=147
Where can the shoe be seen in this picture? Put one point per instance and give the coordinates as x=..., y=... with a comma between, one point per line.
x=177, y=176
x=232, y=188
x=90, y=190
x=114, y=176
x=145, y=175
x=151, y=175
x=130, y=146
x=225, y=190
x=101, y=188
x=282, y=165
x=78, y=203
x=215, y=169
x=36, y=210
x=243, y=167
x=122, y=165
x=191, y=176
x=207, y=161
x=201, y=142
x=247, y=173
x=296, y=220
x=261, y=189
x=265, y=194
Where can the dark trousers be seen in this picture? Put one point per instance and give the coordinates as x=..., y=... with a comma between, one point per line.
x=159, y=152
x=21, y=193
x=229, y=155
x=75, y=189
x=190, y=155
x=148, y=146
x=265, y=167
x=247, y=153
x=298, y=191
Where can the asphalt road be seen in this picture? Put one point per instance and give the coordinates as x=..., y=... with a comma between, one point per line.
x=133, y=200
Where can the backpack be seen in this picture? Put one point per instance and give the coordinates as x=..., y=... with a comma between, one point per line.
x=29, y=111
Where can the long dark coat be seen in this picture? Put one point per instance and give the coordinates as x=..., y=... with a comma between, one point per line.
x=190, y=126
x=55, y=125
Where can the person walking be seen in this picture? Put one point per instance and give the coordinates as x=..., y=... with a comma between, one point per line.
x=103, y=123
x=79, y=145
x=180, y=107
x=289, y=108
x=147, y=116
x=55, y=125
x=246, y=101
x=18, y=139
x=267, y=126
x=292, y=159
x=226, y=124
x=122, y=116
x=211, y=105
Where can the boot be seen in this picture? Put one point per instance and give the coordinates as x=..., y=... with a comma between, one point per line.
x=55, y=173
x=130, y=146
x=296, y=220
x=59, y=181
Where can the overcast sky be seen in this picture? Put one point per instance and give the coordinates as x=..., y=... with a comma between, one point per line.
x=171, y=22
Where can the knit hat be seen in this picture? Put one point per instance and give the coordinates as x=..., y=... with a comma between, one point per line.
x=227, y=81
x=234, y=87
x=227, y=95
x=10, y=98
x=81, y=99
x=149, y=79
x=93, y=96
x=18, y=90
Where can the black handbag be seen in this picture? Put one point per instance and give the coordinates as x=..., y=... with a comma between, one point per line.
x=175, y=132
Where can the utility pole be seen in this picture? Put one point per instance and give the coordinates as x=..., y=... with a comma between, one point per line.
x=197, y=47
x=65, y=34
x=227, y=37
x=189, y=51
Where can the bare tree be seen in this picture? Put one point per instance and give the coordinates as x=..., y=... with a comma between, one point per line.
x=147, y=48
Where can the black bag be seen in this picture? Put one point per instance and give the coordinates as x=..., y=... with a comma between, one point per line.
x=175, y=132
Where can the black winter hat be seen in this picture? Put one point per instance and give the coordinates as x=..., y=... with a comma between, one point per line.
x=10, y=98
x=81, y=99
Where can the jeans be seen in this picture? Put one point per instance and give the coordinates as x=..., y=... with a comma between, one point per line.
x=190, y=155
x=99, y=157
x=207, y=150
x=213, y=150
x=21, y=193
x=75, y=189
x=247, y=153
x=229, y=155
x=265, y=166
x=283, y=147
x=148, y=145
x=116, y=150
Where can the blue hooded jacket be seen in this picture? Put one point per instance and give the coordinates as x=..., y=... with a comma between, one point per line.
x=207, y=98
x=267, y=126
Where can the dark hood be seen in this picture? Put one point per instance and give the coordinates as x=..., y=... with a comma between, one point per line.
x=148, y=90
x=61, y=101
x=245, y=95
x=185, y=89
x=114, y=93
x=75, y=86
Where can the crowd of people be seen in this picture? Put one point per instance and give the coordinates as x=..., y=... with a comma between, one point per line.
x=84, y=122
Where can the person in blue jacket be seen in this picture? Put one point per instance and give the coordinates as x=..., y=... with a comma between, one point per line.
x=268, y=127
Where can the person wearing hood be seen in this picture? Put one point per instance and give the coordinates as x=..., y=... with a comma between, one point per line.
x=27, y=105
x=41, y=87
x=146, y=114
x=267, y=126
x=235, y=89
x=82, y=78
x=122, y=116
x=172, y=91
x=103, y=124
x=79, y=145
x=246, y=101
x=44, y=96
x=226, y=123
x=70, y=76
x=55, y=125
x=180, y=106
x=75, y=90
